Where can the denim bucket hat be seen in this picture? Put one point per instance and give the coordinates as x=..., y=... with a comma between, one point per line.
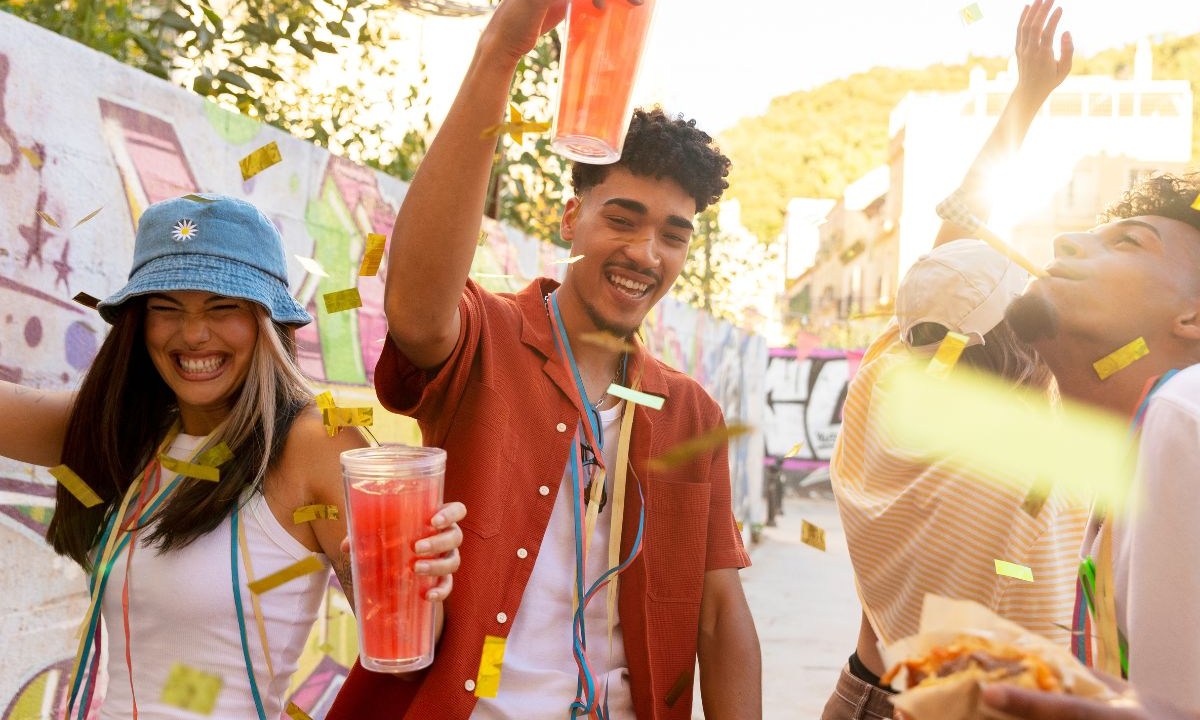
x=221, y=244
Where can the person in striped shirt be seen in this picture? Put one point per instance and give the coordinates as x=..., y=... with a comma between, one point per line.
x=915, y=526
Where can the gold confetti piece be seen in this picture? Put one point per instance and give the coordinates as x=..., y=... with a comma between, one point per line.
x=971, y=13
x=34, y=158
x=653, y=402
x=191, y=689
x=373, y=255
x=1013, y=570
x=482, y=236
x=215, y=456
x=1076, y=447
x=342, y=300
x=812, y=535
x=947, y=354
x=326, y=648
x=794, y=451
x=516, y=126
x=568, y=261
x=491, y=662
x=1196, y=204
x=311, y=266
x=294, y=711
x=75, y=485
x=89, y=216
x=339, y=417
x=259, y=160
x=187, y=469
x=1120, y=359
x=688, y=449
x=309, y=513
x=86, y=300
x=49, y=220
x=608, y=341
x=308, y=565
x=325, y=400
x=198, y=198
x=1036, y=499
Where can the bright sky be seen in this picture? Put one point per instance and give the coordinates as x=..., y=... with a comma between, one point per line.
x=721, y=60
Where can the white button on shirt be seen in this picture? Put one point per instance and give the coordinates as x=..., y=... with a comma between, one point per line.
x=561, y=427
x=501, y=618
x=544, y=490
x=522, y=553
x=469, y=685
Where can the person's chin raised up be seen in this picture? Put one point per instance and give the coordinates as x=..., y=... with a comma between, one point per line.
x=1032, y=318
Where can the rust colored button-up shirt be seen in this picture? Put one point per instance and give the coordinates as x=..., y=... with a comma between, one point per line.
x=505, y=408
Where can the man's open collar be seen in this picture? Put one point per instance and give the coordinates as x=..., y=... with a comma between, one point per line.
x=537, y=334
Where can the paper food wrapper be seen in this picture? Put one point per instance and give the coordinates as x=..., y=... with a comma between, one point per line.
x=943, y=621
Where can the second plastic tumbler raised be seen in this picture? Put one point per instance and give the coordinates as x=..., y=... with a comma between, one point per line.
x=392, y=492
x=600, y=63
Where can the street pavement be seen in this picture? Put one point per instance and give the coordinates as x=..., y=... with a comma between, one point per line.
x=805, y=609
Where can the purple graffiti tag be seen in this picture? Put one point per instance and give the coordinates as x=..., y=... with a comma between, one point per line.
x=7, y=136
x=62, y=268
x=35, y=235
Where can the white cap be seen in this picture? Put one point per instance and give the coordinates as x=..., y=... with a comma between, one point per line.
x=964, y=286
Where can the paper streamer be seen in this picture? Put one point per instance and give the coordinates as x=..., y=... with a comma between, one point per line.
x=298, y=569
x=794, y=451
x=688, y=449
x=309, y=513
x=812, y=535
x=75, y=485
x=187, y=469
x=491, y=662
x=325, y=400
x=608, y=341
x=337, y=417
x=516, y=127
x=89, y=216
x=1120, y=359
x=191, y=689
x=86, y=300
x=1196, y=204
x=295, y=713
x=49, y=220
x=259, y=160
x=341, y=300
x=977, y=422
x=1036, y=499
x=33, y=157
x=947, y=354
x=215, y=456
x=1013, y=570
x=653, y=402
x=311, y=266
x=373, y=255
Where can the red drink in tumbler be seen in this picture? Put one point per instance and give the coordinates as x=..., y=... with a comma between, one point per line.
x=392, y=492
x=600, y=63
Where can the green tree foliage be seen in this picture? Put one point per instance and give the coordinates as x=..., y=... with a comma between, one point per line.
x=253, y=56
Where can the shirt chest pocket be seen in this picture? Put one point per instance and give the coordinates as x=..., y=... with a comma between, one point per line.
x=478, y=465
x=676, y=540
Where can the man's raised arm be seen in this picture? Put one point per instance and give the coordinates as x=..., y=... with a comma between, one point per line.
x=435, y=236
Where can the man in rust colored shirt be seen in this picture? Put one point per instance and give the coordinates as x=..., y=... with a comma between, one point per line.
x=518, y=390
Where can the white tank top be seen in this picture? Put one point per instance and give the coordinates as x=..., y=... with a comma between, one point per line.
x=181, y=610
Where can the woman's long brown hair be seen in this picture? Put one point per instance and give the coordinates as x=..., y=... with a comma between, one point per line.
x=122, y=411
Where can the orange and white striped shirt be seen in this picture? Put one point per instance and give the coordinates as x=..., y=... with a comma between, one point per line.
x=915, y=527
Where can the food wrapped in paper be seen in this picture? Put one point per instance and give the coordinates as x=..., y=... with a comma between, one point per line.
x=961, y=647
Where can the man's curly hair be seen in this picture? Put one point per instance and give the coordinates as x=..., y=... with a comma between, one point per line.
x=659, y=146
x=1170, y=196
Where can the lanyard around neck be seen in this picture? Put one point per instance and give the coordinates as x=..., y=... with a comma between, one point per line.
x=585, y=511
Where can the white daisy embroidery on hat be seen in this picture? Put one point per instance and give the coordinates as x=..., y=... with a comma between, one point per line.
x=184, y=230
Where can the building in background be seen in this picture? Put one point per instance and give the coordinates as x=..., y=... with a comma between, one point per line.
x=1093, y=140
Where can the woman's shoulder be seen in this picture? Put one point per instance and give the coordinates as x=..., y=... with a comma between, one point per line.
x=310, y=451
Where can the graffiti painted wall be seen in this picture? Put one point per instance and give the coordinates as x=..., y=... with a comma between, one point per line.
x=804, y=397
x=79, y=132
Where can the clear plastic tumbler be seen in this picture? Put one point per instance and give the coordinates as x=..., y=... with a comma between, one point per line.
x=601, y=57
x=392, y=493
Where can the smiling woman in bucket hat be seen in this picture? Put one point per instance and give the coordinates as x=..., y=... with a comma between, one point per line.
x=199, y=368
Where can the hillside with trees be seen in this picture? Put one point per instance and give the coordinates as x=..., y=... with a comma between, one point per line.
x=816, y=142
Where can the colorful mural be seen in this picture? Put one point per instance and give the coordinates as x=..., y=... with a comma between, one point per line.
x=80, y=132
